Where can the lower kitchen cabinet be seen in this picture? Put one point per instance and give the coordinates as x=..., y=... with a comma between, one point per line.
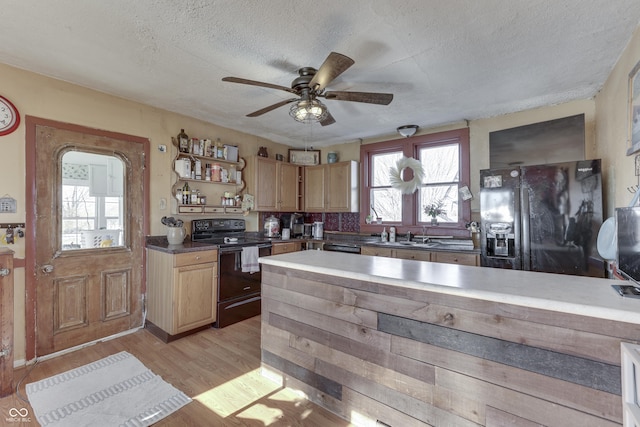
x=376, y=251
x=460, y=258
x=412, y=254
x=285, y=247
x=181, y=292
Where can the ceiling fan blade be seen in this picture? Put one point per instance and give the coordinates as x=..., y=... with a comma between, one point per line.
x=271, y=107
x=368, y=97
x=329, y=120
x=332, y=67
x=256, y=83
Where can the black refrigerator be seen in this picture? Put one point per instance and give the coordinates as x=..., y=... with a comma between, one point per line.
x=542, y=218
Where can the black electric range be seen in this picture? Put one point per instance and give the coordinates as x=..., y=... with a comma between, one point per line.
x=224, y=233
x=238, y=291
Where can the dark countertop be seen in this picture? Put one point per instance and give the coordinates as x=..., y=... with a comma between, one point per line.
x=160, y=243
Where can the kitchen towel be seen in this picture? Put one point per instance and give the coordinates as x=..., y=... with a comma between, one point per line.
x=250, y=259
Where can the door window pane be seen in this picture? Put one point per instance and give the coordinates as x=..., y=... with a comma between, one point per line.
x=92, y=192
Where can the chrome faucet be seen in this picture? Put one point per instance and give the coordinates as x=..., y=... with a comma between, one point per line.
x=408, y=236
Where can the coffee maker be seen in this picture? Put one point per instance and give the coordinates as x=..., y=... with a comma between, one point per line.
x=294, y=222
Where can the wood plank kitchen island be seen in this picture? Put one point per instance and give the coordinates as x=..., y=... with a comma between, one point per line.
x=419, y=343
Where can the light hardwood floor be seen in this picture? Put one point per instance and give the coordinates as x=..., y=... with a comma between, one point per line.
x=218, y=368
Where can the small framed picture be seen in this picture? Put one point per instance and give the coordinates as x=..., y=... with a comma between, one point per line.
x=304, y=157
x=465, y=193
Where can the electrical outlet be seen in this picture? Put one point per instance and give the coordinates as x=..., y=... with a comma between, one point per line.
x=163, y=204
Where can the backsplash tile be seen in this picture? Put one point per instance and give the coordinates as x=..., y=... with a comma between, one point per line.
x=346, y=222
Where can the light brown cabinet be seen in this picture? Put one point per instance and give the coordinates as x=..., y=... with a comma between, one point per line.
x=332, y=187
x=181, y=290
x=412, y=254
x=456, y=258
x=460, y=258
x=376, y=251
x=285, y=247
x=275, y=185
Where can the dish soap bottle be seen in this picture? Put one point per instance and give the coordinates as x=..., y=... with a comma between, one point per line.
x=384, y=234
x=392, y=234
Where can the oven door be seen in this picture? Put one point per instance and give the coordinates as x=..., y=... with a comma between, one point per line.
x=233, y=283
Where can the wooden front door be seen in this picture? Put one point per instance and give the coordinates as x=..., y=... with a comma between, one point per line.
x=89, y=193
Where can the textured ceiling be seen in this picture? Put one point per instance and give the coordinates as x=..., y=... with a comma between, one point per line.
x=444, y=60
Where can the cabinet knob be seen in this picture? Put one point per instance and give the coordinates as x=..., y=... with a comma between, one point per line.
x=197, y=257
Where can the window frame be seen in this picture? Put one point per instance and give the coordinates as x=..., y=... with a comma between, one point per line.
x=410, y=147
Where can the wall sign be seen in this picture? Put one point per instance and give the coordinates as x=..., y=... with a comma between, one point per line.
x=8, y=204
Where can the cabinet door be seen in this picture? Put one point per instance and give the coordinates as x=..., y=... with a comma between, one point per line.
x=340, y=187
x=265, y=184
x=288, y=187
x=456, y=258
x=412, y=254
x=314, y=188
x=194, y=296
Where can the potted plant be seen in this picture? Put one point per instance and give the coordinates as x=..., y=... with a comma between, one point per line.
x=433, y=210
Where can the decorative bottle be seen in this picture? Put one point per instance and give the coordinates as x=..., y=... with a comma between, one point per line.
x=186, y=194
x=183, y=142
x=384, y=235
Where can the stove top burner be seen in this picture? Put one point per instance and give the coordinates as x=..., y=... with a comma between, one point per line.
x=225, y=233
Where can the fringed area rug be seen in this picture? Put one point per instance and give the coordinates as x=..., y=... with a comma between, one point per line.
x=115, y=391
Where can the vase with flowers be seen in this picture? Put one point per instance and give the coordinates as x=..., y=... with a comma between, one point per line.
x=433, y=210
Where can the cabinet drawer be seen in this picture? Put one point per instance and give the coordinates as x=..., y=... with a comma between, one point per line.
x=213, y=209
x=190, y=209
x=372, y=250
x=412, y=254
x=233, y=210
x=192, y=258
x=283, y=248
x=456, y=258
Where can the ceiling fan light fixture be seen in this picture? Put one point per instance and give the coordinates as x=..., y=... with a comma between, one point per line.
x=305, y=111
x=407, y=130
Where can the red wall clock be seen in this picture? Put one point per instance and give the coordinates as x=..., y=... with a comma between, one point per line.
x=9, y=116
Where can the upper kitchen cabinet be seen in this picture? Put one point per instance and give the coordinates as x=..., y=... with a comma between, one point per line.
x=275, y=185
x=332, y=187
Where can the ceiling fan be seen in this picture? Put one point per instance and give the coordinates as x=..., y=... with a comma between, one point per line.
x=310, y=85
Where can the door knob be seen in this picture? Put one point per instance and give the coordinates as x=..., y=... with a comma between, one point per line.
x=46, y=269
x=4, y=272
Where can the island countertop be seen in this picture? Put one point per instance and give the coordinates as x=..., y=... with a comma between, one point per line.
x=563, y=293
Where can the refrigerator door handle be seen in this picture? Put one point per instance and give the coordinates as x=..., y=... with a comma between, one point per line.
x=525, y=239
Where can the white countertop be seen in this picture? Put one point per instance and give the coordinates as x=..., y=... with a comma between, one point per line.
x=564, y=293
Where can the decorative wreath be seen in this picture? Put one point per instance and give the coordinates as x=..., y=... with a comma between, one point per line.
x=395, y=175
